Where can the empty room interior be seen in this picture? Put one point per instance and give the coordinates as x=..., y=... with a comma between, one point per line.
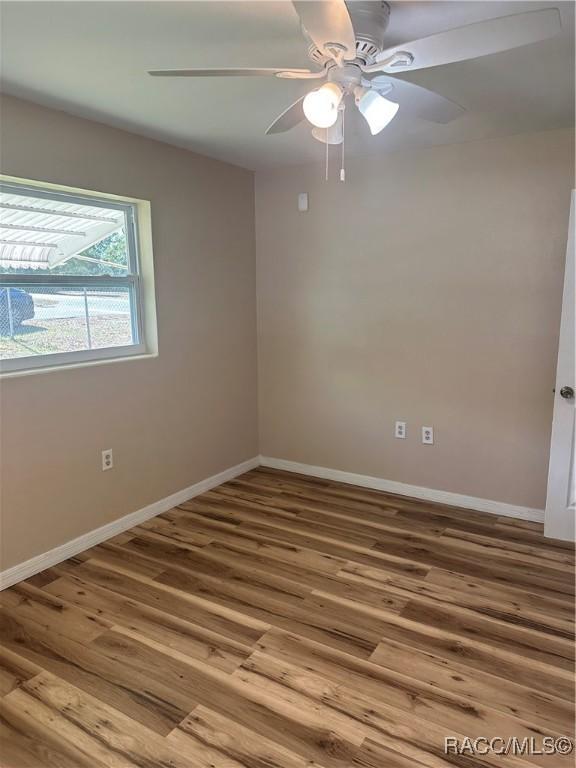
x=287, y=373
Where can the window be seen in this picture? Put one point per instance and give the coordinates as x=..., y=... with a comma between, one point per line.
x=72, y=286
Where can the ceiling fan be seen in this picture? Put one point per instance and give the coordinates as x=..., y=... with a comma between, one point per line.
x=347, y=45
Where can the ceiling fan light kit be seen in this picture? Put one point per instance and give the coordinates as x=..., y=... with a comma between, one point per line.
x=332, y=135
x=321, y=106
x=347, y=46
x=375, y=109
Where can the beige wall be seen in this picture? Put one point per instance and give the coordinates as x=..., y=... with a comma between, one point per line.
x=173, y=420
x=427, y=289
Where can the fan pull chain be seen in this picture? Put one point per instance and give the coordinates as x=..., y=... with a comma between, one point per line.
x=326, y=137
x=342, y=169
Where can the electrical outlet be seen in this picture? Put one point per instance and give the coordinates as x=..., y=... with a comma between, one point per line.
x=400, y=429
x=428, y=435
x=107, y=459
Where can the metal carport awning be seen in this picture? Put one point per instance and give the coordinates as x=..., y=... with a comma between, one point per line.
x=40, y=233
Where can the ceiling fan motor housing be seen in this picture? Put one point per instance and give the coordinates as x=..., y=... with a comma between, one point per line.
x=370, y=20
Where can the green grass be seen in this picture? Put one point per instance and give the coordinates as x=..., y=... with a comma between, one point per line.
x=44, y=337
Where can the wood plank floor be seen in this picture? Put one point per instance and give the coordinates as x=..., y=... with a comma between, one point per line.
x=281, y=621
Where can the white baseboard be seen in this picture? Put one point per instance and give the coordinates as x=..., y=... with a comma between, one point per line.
x=64, y=551
x=402, y=489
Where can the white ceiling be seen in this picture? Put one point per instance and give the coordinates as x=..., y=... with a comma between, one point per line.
x=90, y=59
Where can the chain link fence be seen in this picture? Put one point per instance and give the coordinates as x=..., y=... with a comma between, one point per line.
x=42, y=320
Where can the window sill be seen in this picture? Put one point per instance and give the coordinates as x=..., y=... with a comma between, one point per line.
x=49, y=367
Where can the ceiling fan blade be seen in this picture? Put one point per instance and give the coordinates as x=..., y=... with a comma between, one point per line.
x=290, y=118
x=295, y=74
x=329, y=25
x=417, y=101
x=472, y=41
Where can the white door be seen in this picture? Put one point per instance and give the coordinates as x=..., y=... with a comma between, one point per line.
x=560, y=518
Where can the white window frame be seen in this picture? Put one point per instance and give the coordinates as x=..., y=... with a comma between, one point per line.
x=139, y=281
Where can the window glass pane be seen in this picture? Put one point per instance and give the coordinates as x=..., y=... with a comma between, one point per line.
x=108, y=257
x=69, y=278
x=46, y=319
x=58, y=236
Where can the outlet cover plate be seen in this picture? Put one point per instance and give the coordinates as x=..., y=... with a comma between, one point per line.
x=400, y=430
x=107, y=459
x=428, y=435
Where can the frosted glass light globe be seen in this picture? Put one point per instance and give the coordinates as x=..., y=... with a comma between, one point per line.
x=321, y=106
x=377, y=110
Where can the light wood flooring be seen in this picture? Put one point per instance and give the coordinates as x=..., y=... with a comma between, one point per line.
x=281, y=621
